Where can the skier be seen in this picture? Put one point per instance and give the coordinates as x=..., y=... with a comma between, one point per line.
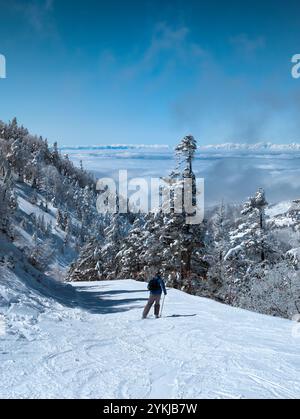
x=156, y=287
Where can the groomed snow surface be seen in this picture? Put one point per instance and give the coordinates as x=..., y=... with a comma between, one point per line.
x=93, y=344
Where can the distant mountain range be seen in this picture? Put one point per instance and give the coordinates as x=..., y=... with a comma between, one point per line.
x=257, y=147
x=119, y=147
x=262, y=147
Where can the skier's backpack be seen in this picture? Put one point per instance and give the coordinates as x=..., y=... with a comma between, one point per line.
x=154, y=285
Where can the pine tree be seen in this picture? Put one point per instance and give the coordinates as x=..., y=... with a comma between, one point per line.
x=216, y=245
x=49, y=229
x=88, y=265
x=188, y=245
x=60, y=219
x=186, y=149
x=16, y=158
x=68, y=230
x=129, y=256
x=41, y=254
x=251, y=247
x=255, y=209
x=8, y=204
x=12, y=131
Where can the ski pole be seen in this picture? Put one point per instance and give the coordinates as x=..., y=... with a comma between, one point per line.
x=162, y=306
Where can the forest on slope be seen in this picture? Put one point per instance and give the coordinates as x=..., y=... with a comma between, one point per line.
x=244, y=255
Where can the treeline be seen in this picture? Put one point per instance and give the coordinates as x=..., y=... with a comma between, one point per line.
x=239, y=255
x=27, y=159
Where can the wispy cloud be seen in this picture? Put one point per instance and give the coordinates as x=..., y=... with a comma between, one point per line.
x=168, y=47
x=168, y=44
x=37, y=13
x=246, y=45
x=166, y=39
x=226, y=107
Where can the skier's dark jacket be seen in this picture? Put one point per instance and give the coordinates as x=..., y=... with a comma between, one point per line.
x=162, y=286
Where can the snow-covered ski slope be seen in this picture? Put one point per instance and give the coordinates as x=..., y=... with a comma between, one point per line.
x=92, y=343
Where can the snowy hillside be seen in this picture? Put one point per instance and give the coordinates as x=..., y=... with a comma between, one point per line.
x=87, y=339
x=38, y=236
x=94, y=344
x=47, y=205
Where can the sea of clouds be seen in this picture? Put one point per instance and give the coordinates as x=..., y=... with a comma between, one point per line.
x=232, y=172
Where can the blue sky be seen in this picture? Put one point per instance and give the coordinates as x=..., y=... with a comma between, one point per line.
x=117, y=71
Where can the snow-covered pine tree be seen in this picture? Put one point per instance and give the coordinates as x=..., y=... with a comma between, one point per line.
x=60, y=219
x=88, y=266
x=186, y=150
x=216, y=243
x=68, y=229
x=255, y=209
x=252, y=248
x=273, y=290
x=32, y=172
x=16, y=158
x=189, y=242
x=168, y=242
x=247, y=238
x=41, y=253
x=114, y=236
x=8, y=205
x=12, y=131
x=55, y=157
x=294, y=213
x=49, y=229
x=41, y=225
x=128, y=259
x=150, y=253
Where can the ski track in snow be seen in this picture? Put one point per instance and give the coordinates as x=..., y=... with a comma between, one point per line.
x=52, y=350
